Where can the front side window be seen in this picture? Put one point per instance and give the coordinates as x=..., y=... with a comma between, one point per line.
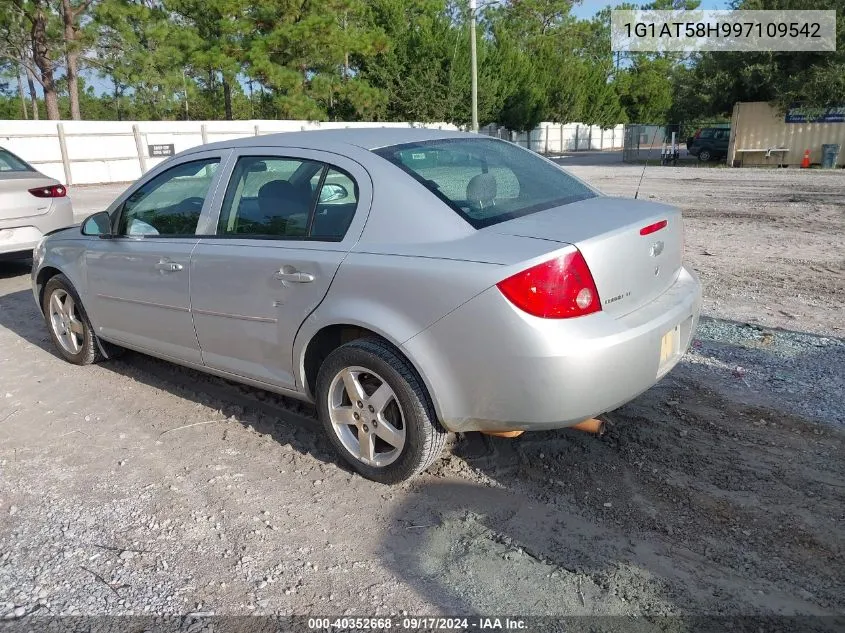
x=486, y=181
x=287, y=198
x=169, y=204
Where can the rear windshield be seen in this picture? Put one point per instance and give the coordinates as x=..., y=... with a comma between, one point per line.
x=10, y=162
x=486, y=181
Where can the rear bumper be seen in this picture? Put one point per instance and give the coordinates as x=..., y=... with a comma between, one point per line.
x=21, y=235
x=19, y=240
x=492, y=367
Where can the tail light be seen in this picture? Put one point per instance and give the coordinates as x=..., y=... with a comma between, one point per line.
x=53, y=191
x=697, y=133
x=561, y=288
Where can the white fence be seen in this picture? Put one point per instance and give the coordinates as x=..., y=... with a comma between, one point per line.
x=89, y=152
x=556, y=138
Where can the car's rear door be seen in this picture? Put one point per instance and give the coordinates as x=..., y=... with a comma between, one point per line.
x=273, y=255
x=139, y=279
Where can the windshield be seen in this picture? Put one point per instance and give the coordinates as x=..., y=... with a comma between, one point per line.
x=10, y=162
x=485, y=180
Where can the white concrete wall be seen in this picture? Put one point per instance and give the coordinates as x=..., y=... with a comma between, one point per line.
x=105, y=151
x=556, y=138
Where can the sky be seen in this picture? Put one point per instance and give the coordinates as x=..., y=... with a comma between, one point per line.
x=588, y=8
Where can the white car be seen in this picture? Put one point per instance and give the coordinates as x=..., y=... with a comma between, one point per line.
x=31, y=205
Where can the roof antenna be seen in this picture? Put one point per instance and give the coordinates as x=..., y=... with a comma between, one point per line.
x=651, y=147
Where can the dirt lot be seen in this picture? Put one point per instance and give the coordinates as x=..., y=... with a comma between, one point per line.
x=139, y=487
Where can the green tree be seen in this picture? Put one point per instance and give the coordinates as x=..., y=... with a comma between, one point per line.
x=296, y=48
x=644, y=89
x=213, y=37
x=423, y=71
x=714, y=81
x=76, y=38
x=31, y=33
x=524, y=102
x=139, y=49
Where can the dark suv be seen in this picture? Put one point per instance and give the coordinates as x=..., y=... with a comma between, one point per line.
x=709, y=143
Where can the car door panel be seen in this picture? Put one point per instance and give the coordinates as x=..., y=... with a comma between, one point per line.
x=140, y=282
x=248, y=305
x=250, y=295
x=140, y=292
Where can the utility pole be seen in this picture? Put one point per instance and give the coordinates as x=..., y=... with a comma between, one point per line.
x=185, y=87
x=20, y=92
x=474, y=58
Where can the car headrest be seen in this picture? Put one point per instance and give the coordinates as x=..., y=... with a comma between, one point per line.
x=481, y=191
x=280, y=198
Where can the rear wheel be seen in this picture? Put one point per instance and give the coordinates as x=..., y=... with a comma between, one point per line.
x=376, y=412
x=68, y=324
x=705, y=155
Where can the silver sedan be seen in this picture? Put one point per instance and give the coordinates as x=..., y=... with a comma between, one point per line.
x=31, y=205
x=408, y=282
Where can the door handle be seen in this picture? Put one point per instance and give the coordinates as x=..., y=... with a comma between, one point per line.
x=168, y=267
x=289, y=273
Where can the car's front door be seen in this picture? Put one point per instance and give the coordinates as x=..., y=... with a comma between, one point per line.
x=287, y=219
x=139, y=279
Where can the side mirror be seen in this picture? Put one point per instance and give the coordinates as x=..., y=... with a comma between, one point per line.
x=98, y=225
x=332, y=192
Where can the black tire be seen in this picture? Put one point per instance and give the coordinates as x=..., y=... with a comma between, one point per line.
x=705, y=155
x=424, y=436
x=89, y=351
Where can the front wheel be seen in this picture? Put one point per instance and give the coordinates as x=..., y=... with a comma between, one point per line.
x=376, y=412
x=69, y=326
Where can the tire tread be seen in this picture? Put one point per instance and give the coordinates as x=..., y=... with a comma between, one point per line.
x=90, y=352
x=434, y=436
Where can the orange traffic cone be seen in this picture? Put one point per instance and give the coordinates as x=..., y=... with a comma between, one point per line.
x=805, y=162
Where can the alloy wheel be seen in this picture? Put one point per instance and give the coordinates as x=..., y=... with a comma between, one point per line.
x=366, y=416
x=65, y=322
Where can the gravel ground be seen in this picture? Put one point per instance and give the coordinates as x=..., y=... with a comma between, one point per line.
x=139, y=487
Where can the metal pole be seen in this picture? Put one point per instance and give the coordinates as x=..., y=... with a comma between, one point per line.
x=185, y=86
x=474, y=58
x=20, y=92
x=139, y=147
x=63, y=149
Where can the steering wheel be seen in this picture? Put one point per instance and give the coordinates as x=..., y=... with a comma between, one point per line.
x=191, y=204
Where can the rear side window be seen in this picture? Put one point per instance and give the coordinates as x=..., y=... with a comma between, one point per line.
x=10, y=162
x=486, y=181
x=287, y=198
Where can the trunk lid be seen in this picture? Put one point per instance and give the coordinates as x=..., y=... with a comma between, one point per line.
x=15, y=199
x=629, y=269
